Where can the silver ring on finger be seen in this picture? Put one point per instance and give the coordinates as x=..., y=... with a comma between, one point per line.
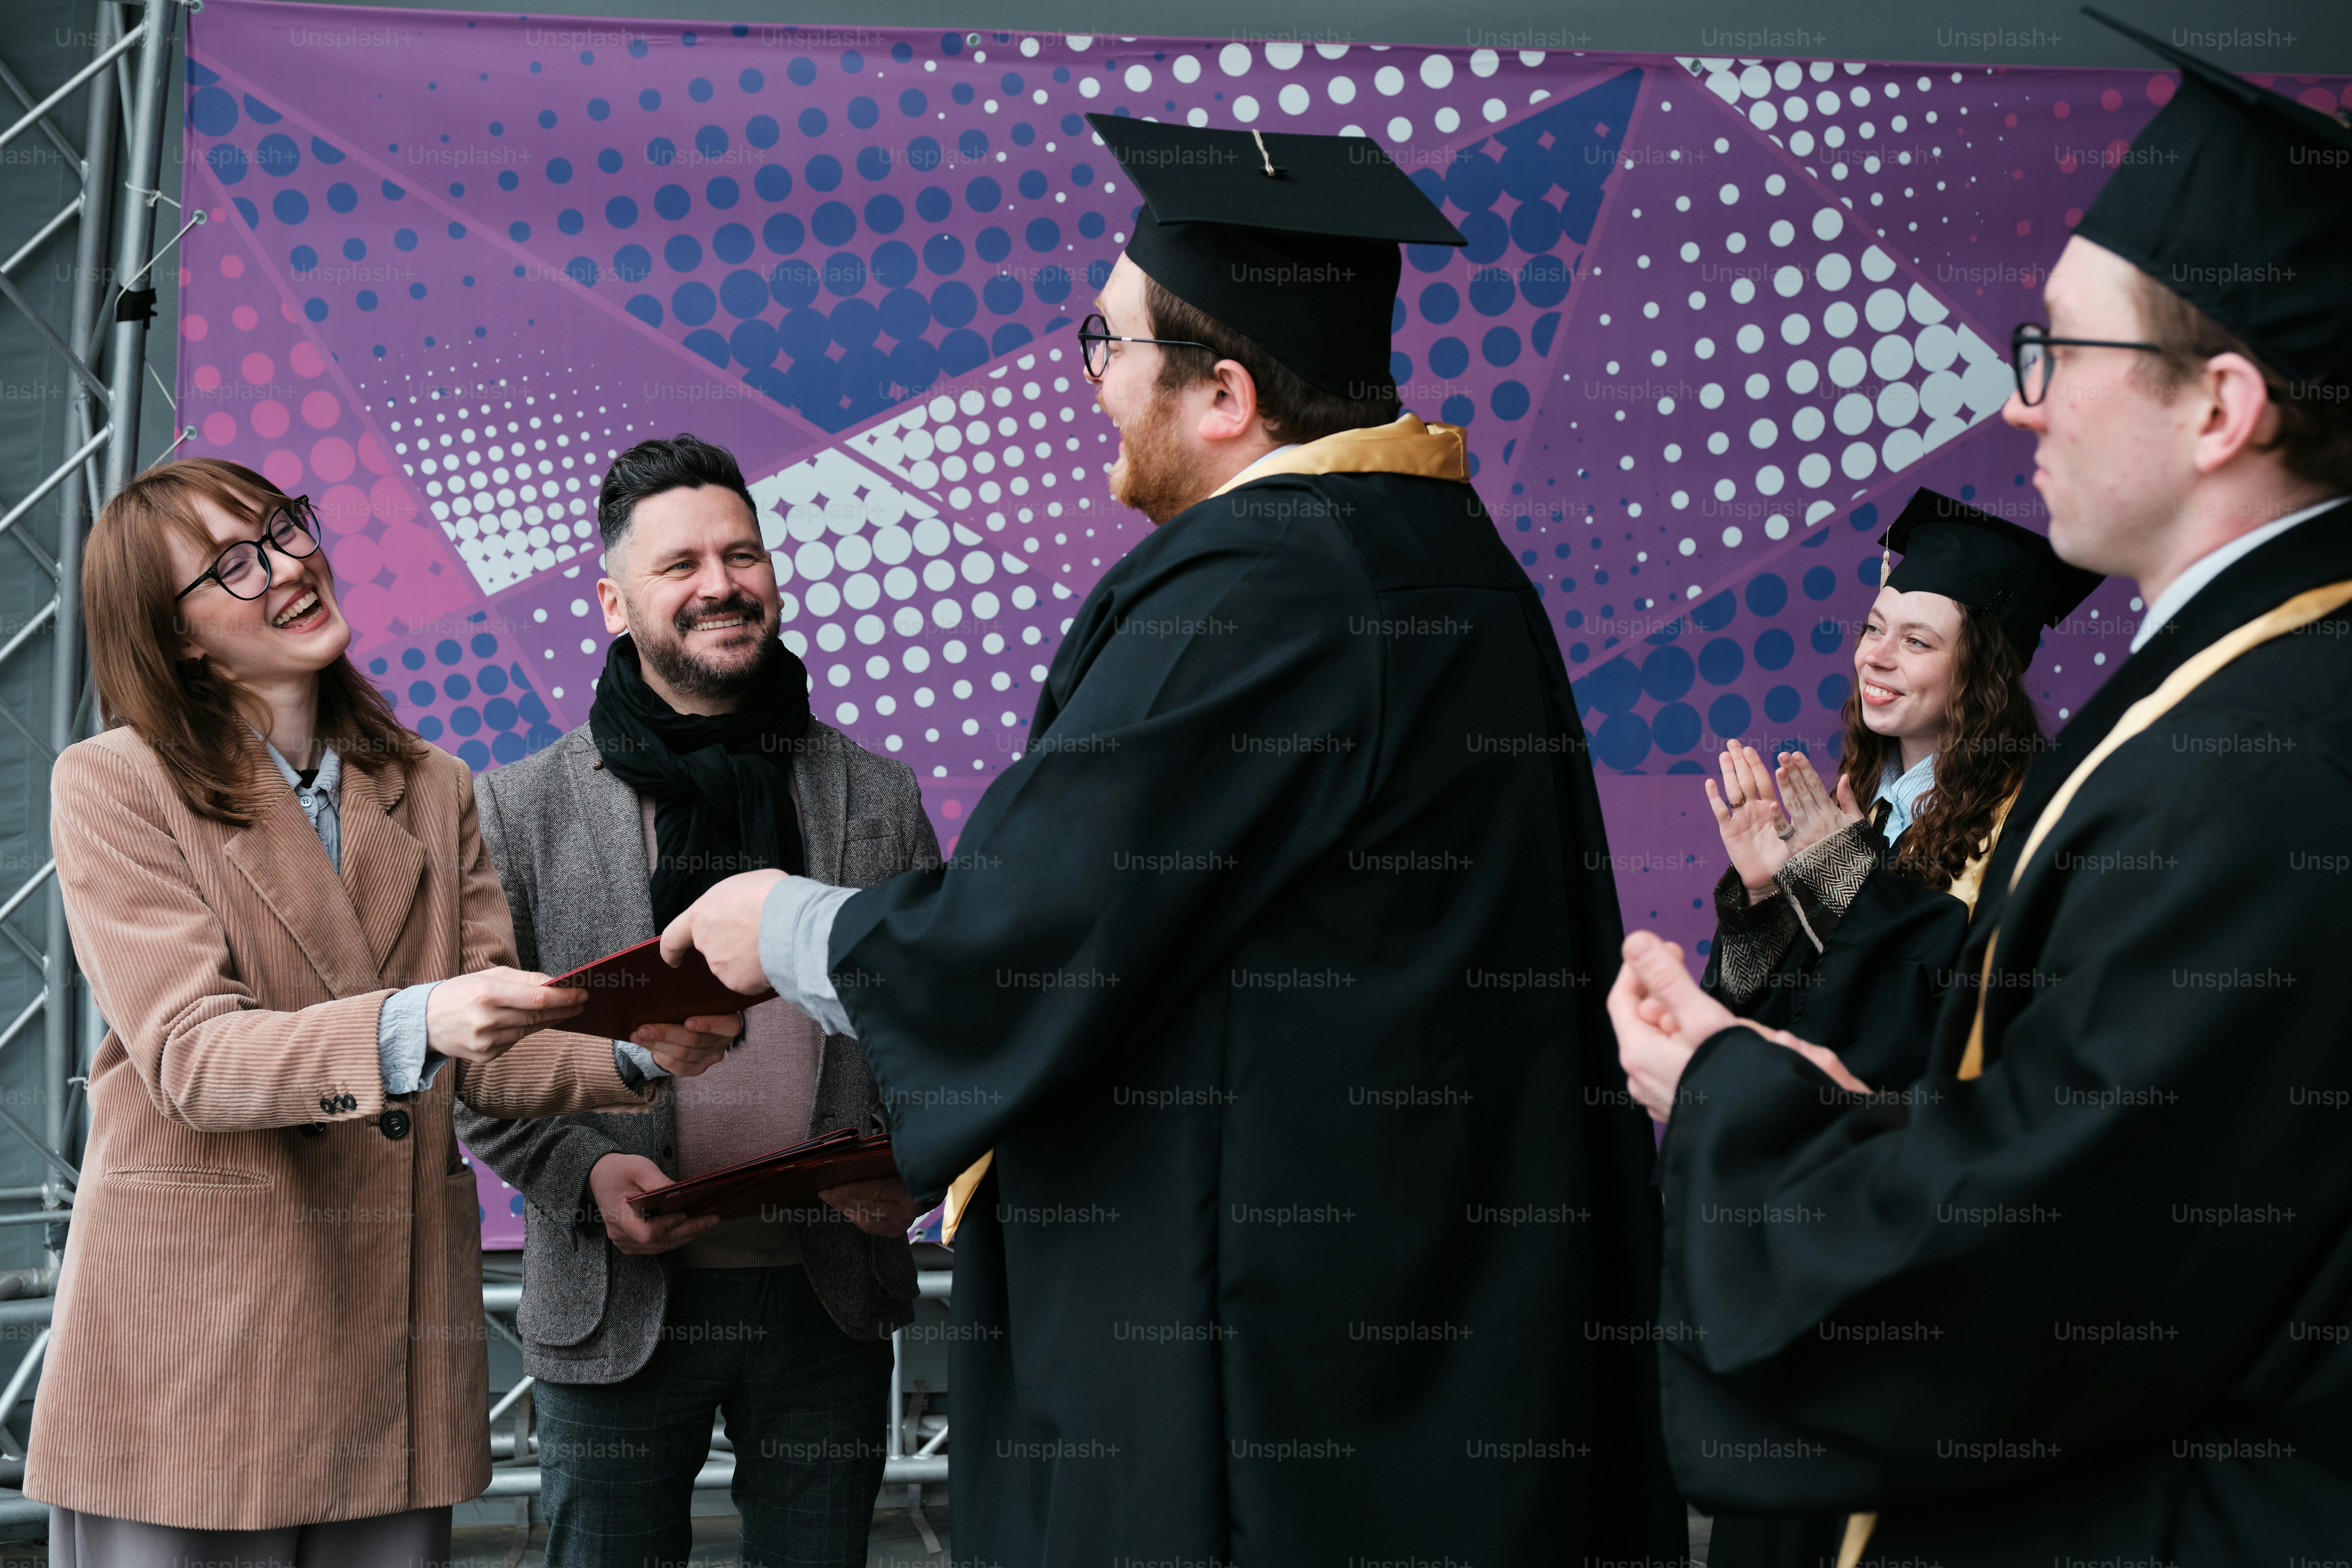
x=1787, y=830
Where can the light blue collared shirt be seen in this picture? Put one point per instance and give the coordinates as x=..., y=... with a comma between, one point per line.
x=1905, y=792
x=796, y=930
x=2212, y=564
x=409, y=1064
x=1249, y=473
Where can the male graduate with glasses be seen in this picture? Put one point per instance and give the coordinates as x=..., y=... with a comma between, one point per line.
x=1256, y=1024
x=2083, y=1292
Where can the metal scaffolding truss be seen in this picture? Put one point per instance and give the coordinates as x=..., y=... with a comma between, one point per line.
x=102, y=345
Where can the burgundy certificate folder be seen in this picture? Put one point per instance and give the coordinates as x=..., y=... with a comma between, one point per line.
x=633, y=987
x=787, y=1180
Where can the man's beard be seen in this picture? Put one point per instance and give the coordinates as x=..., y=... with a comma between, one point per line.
x=669, y=658
x=1158, y=476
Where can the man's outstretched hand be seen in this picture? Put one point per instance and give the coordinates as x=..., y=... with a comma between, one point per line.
x=1661, y=1018
x=878, y=1208
x=724, y=925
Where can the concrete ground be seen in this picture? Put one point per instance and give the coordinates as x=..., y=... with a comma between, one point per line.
x=894, y=1544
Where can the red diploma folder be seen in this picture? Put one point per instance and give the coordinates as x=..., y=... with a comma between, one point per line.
x=633, y=987
x=787, y=1180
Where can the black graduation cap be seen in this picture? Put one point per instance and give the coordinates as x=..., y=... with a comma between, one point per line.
x=1288, y=239
x=2240, y=201
x=1987, y=564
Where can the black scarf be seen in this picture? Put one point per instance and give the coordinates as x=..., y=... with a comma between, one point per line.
x=720, y=782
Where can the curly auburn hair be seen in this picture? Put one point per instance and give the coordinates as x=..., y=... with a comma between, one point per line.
x=1992, y=731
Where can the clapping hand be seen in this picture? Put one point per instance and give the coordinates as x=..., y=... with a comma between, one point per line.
x=1661, y=1018
x=1755, y=833
x=1813, y=809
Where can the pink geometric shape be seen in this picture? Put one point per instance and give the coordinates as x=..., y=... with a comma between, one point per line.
x=502, y=1227
x=207, y=377
x=270, y=419
x=257, y=368
x=220, y=430
x=390, y=500
x=368, y=608
x=306, y=359
x=425, y=593
x=372, y=456
x=320, y=409
x=246, y=318
x=194, y=328
x=2160, y=90
x=344, y=508
x=331, y=458
x=232, y=265
x=356, y=558
x=282, y=468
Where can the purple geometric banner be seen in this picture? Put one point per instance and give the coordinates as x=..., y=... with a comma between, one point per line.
x=1716, y=320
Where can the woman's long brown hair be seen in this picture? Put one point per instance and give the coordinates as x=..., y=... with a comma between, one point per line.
x=194, y=717
x=1991, y=732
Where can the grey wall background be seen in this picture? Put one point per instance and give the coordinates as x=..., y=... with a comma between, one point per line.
x=2259, y=36
x=44, y=41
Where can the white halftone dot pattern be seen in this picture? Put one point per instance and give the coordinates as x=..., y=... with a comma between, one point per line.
x=509, y=474
x=1930, y=380
x=1877, y=130
x=915, y=538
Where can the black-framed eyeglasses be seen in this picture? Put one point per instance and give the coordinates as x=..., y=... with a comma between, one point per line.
x=2029, y=356
x=244, y=567
x=1095, y=338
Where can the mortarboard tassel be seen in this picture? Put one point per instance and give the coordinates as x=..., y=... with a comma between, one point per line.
x=1271, y=172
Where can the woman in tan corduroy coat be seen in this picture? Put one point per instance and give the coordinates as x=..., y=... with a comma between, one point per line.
x=268, y=1342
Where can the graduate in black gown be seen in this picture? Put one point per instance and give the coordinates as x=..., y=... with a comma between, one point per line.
x=1844, y=926
x=1257, y=1024
x=2084, y=1291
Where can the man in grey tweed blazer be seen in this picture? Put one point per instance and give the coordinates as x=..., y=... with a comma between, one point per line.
x=635, y=1329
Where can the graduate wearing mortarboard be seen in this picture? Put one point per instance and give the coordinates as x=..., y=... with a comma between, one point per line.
x=1843, y=912
x=1255, y=1032
x=2082, y=1291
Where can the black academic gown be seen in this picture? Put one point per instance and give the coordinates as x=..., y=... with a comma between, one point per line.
x=1318, y=1228
x=1873, y=989
x=1871, y=992
x=2096, y=1303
